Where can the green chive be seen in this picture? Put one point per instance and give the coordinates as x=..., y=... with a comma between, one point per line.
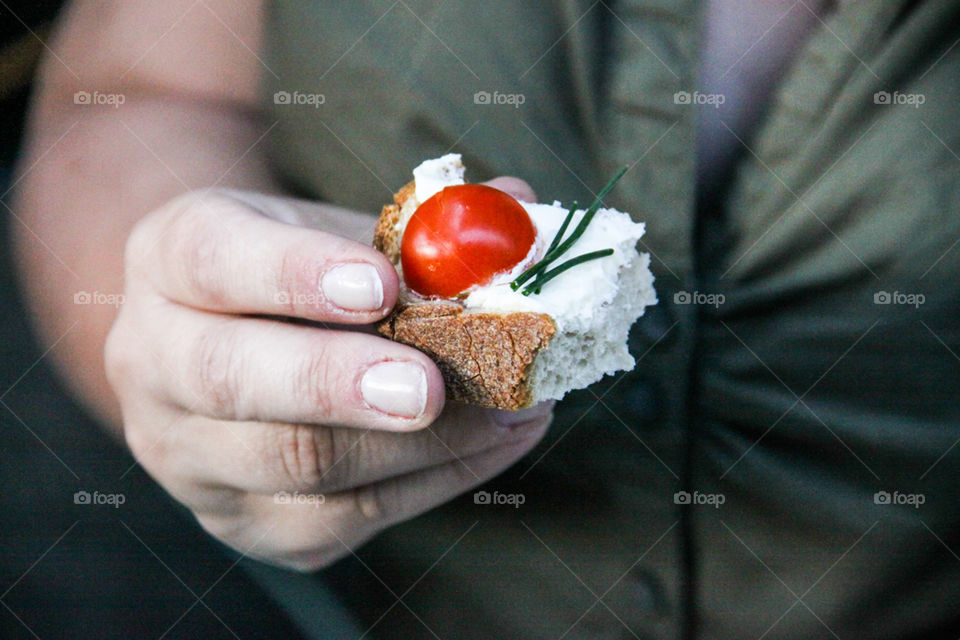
x=557, y=247
x=563, y=228
x=587, y=218
x=540, y=266
x=529, y=273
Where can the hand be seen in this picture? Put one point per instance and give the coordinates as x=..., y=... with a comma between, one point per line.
x=243, y=370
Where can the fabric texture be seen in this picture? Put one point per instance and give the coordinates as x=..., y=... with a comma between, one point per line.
x=813, y=396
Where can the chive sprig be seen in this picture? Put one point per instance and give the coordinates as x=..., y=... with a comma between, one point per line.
x=538, y=272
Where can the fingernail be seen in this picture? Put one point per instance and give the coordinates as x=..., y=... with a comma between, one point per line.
x=395, y=388
x=510, y=419
x=354, y=286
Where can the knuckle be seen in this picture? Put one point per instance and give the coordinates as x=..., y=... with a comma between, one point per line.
x=304, y=452
x=119, y=362
x=317, y=458
x=138, y=247
x=198, y=255
x=288, y=278
x=135, y=439
x=315, y=379
x=376, y=502
x=218, y=370
x=195, y=245
x=152, y=233
x=150, y=451
x=144, y=239
x=351, y=461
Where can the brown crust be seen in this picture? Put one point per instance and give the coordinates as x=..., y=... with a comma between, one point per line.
x=387, y=235
x=485, y=358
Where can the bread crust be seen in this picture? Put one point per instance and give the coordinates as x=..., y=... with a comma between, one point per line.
x=387, y=235
x=485, y=358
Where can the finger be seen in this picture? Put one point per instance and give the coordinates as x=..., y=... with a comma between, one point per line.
x=516, y=187
x=252, y=369
x=310, y=533
x=215, y=252
x=266, y=458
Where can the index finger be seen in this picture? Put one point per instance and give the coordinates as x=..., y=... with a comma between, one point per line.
x=516, y=187
x=218, y=253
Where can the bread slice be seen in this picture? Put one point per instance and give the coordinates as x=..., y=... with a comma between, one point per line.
x=495, y=354
x=485, y=358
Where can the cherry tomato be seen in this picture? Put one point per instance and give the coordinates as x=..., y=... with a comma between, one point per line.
x=463, y=236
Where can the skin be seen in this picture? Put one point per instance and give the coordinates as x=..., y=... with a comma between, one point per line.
x=224, y=395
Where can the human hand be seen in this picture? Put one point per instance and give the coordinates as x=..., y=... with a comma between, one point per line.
x=243, y=369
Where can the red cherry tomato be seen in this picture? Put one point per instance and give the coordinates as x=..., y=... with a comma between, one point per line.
x=463, y=236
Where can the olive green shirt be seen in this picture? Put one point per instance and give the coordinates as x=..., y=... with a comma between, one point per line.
x=781, y=461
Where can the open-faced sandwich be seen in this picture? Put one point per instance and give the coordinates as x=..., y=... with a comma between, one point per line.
x=516, y=302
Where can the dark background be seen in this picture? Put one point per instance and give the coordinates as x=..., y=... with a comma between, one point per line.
x=19, y=51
